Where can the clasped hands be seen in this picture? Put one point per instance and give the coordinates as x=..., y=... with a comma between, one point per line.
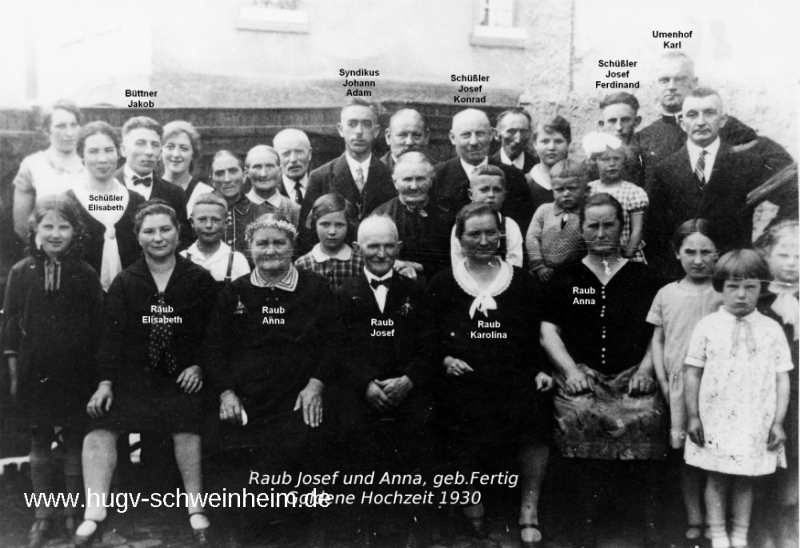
x=383, y=395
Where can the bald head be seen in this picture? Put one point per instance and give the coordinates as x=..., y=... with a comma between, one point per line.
x=376, y=225
x=407, y=131
x=294, y=151
x=471, y=134
x=378, y=241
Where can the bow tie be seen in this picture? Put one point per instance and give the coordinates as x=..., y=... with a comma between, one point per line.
x=377, y=283
x=146, y=181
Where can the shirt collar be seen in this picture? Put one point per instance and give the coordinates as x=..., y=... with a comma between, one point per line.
x=288, y=283
x=694, y=150
x=223, y=251
x=288, y=183
x=517, y=162
x=344, y=254
x=371, y=276
x=353, y=163
x=128, y=174
x=274, y=200
x=540, y=177
x=469, y=168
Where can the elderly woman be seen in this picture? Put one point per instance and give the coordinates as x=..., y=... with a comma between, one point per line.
x=595, y=333
x=180, y=148
x=51, y=171
x=150, y=377
x=227, y=177
x=272, y=343
x=492, y=399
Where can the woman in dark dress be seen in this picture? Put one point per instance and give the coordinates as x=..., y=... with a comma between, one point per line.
x=53, y=307
x=180, y=150
x=492, y=397
x=150, y=380
x=607, y=407
x=107, y=207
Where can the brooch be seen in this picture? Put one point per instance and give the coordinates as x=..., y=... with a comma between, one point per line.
x=240, y=308
x=405, y=310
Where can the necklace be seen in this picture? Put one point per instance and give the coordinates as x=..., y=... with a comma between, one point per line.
x=606, y=266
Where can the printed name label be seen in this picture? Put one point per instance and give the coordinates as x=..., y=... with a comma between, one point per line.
x=469, y=89
x=140, y=93
x=269, y=320
x=353, y=83
x=493, y=334
x=669, y=44
x=616, y=63
x=155, y=309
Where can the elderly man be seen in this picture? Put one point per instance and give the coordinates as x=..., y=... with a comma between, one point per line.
x=384, y=317
x=407, y=131
x=471, y=134
x=424, y=227
x=263, y=167
x=294, y=150
x=513, y=131
x=705, y=178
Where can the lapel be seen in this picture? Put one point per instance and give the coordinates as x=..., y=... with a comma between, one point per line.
x=365, y=294
x=343, y=182
x=720, y=164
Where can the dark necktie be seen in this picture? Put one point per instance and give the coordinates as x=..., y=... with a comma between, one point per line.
x=146, y=181
x=669, y=120
x=700, y=169
x=377, y=283
x=298, y=194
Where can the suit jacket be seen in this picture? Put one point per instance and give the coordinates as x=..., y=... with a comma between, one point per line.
x=388, y=160
x=675, y=197
x=404, y=307
x=528, y=163
x=451, y=186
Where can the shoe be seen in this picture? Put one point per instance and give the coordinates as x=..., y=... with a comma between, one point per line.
x=532, y=543
x=81, y=541
x=201, y=536
x=699, y=541
x=39, y=533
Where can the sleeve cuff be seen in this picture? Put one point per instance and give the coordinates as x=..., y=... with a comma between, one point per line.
x=694, y=362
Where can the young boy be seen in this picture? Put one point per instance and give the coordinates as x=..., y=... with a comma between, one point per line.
x=619, y=116
x=554, y=237
x=487, y=184
x=609, y=154
x=208, y=219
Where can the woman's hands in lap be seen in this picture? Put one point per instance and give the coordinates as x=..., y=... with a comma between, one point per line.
x=191, y=379
x=641, y=383
x=101, y=400
x=230, y=407
x=578, y=382
x=310, y=400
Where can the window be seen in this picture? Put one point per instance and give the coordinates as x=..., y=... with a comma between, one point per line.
x=499, y=24
x=273, y=16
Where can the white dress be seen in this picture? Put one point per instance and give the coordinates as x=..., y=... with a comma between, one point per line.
x=740, y=358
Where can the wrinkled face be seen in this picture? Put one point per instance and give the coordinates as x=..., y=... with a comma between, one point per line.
x=271, y=249
x=601, y=229
x=264, y=171
x=54, y=233
x=141, y=148
x=610, y=165
x=481, y=238
x=63, y=130
x=158, y=236
x=675, y=80
x=514, y=132
x=406, y=132
x=697, y=255
x=702, y=118
x=358, y=128
x=413, y=181
x=740, y=296
x=471, y=135
x=489, y=190
x=100, y=156
x=380, y=248
x=783, y=259
x=568, y=193
x=551, y=147
x=208, y=221
x=177, y=153
x=620, y=120
x=295, y=155
x=332, y=230
x=227, y=177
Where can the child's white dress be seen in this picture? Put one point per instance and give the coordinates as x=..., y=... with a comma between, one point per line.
x=738, y=392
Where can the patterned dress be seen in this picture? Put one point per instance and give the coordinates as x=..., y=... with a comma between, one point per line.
x=634, y=202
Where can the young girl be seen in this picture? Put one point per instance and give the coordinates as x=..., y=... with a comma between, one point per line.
x=737, y=392
x=53, y=304
x=676, y=310
x=334, y=218
x=609, y=153
x=551, y=140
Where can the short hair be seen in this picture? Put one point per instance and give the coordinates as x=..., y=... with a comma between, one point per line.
x=475, y=210
x=702, y=92
x=371, y=220
x=421, y=157
x=210, y=198
x=359, y=102
x=65, y=207
x=618, y=98
x=403, y=111
x=678, y=56
x=225, y=152
x=291, y=131
x=276, y=220
x=693, y=226
x=138, y=122
x=177, y=127
x=94, y=128
x=555, y=124
x=489, y=171
x=62, y=104
x=740, y=264
x=263, y=147
x=515, y=110
x=566, y=169
x=772, y=234
x=154, y=206
x=602, y=199
x=332, y=203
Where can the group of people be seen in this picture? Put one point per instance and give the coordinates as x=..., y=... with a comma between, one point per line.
x=401, y=314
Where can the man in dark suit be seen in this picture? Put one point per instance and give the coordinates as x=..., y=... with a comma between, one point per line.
x=407, y=131
x=384, y=317
x=357, y=175
x=513, y=131
x=294, y=150
x=703, y=179
x=471, y=134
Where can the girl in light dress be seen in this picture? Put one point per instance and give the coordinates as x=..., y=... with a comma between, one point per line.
x=676, y=310
x=737, y=394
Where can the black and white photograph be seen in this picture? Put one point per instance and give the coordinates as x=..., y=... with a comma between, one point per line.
x=399, y=273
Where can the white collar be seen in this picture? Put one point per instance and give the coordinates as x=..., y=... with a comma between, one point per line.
x=484, y=301
x=694, y=150
x=344, y=254
x=540, y=177
x=128, y=174
x=222, y=252
x=289, y=184
x=354, y=164
x=517, y=162
x=274, y=200
x=469, y=168
x=288, y=283
x=371, y=276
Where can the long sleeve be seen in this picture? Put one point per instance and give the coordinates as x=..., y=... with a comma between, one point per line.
x=331, y=345
x=219, y=339
x=116, y=326
x=533, y=240
x=13, y=310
